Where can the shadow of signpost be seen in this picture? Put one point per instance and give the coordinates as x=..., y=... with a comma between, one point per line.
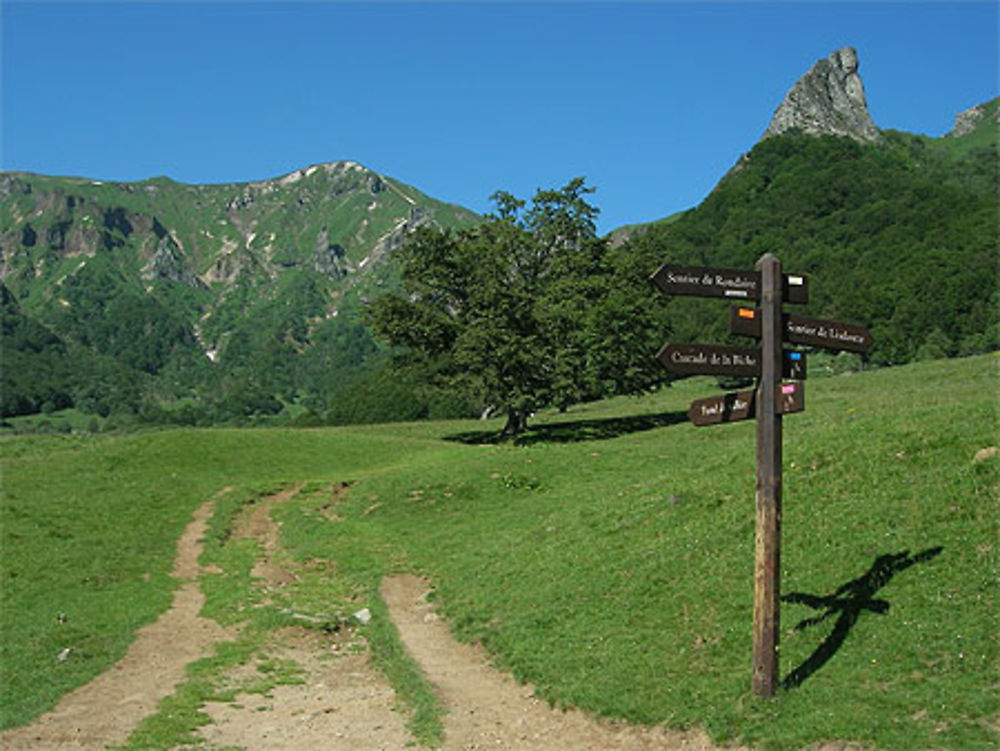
x=574, y=431
x=847, y=603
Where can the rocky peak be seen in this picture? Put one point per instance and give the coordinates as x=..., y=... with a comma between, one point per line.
x=828, y=100
x=973, y=118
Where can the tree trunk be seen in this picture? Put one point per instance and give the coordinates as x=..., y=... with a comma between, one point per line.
x=517, y=421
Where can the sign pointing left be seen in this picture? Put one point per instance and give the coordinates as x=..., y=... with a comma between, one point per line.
x=710, y=281
x=741, y=405
x=718, y=359
x=710, y=359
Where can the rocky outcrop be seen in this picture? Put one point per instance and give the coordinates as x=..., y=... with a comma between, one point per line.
x=394, y=239
x=828, y=100
x=973, y=118
x=241, y=202
x=168, y=263
x=11, y=184
x=328, y=257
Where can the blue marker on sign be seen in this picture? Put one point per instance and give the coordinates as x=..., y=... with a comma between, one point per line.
x=794, y=365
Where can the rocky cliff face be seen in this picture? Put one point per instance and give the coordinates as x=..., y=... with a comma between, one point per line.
x=974, y=117
x=827, y=100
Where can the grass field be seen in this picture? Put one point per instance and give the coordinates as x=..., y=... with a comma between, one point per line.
x=608, y=559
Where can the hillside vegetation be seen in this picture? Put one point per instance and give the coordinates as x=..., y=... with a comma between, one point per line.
x=607, y=558
x=197, y=303
x=899, y=236
x=157, y=302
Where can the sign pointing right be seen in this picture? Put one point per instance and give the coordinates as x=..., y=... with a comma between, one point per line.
x=814, y=332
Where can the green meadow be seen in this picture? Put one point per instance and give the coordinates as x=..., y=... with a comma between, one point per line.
x=606, y=557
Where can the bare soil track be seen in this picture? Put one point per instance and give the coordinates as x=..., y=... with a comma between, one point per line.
x=104, y=711
x=488, y=709
x=342, y=702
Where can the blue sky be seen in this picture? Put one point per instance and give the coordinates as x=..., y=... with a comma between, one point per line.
x=652, y=102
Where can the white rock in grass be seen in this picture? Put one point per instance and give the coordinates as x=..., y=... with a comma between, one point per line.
x=987, y=453
x=363, y=616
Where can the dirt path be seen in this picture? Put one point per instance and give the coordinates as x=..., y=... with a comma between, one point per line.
x=104, y=711
x=488, y=709
x=342, y=702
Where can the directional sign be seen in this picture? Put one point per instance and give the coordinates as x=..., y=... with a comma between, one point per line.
x=770, y=364
x=791, y=398
x=794, y=288
x=741, y=405
x=793, y=365
x=716, y=359
x=802, y=330
x=709, y=359
x=703, y=281
x=714, y=410
x=828, y=334
x=706, y=281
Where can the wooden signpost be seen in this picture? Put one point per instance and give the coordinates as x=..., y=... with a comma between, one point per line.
x=767, y=403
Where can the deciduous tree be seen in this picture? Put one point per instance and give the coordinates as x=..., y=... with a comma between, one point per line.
x=520, y=307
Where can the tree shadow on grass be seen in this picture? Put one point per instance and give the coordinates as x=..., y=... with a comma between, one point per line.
x=847, y=603
x=574, y=431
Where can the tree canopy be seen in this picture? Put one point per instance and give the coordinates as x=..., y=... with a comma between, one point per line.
x=517, y=311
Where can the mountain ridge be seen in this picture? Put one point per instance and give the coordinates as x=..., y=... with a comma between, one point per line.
x=250, y=295
x=252, y=274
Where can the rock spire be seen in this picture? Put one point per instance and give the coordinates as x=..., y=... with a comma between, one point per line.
x=828, y=100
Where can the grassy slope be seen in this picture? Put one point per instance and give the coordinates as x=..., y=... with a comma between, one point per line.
x=87, y=521
x=614, y=574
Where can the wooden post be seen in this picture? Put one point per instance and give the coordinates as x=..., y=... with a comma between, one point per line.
x=767, y=563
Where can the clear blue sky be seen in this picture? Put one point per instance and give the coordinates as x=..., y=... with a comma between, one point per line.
x=652, y=102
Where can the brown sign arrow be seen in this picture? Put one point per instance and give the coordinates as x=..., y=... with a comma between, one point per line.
x=707, y=281
x=741, y=405
x=715, y=410
x=717, y=359
x=801, y=330
x=709, y=359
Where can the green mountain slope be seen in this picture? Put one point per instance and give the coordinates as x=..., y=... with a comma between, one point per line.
x=974, y=129
x=899, y=235
x=192, y=284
